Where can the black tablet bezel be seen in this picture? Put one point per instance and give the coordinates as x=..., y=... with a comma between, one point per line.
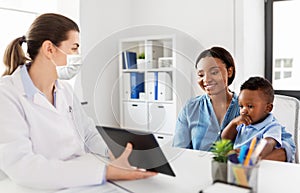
x=146, y=152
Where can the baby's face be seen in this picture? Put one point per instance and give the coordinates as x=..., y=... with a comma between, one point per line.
x=254, y=104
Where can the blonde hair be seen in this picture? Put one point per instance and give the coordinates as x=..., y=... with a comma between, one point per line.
x=14, y=56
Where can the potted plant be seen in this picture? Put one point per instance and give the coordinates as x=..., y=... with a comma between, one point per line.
x=141, y=60
x=220, y=150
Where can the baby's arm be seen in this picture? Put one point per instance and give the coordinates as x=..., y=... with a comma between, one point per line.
x=230, y=131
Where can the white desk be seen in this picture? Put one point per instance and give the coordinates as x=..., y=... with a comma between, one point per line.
x=192, y=169
x=278, y=177
x=7, y=186
x=193, y=173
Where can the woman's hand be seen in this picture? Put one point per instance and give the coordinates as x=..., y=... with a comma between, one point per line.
x=120, y=169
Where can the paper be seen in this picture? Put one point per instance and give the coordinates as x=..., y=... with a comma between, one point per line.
x=218, y=187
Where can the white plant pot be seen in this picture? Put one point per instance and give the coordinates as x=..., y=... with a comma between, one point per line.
x=141, y=63
x=219, y=171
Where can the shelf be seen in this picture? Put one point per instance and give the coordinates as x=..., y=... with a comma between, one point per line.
x=147, y=101
x=133, y=70
x=169, y=69
x=156, y=108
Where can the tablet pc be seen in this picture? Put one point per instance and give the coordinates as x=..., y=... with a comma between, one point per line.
x=146, y=152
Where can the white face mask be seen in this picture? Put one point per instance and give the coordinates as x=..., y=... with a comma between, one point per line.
x=72, y=67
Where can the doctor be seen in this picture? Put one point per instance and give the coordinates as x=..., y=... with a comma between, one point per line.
x=47, y=141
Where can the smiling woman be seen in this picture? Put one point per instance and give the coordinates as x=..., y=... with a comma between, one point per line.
x=203, y=118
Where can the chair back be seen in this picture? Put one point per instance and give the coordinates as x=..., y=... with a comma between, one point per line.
x=286, y=111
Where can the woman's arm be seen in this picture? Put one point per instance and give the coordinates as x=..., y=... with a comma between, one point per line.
x=287, y=150
x=182, y=136
x=277, y=155
x=269, y=147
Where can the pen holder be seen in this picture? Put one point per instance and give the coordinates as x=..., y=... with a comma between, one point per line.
x=242, y=175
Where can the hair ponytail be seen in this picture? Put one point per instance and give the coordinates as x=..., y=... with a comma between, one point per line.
x=14, y=56
x=48, y=26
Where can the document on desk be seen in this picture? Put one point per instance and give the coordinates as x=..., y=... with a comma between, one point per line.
x=218, y=187
x=104, y=188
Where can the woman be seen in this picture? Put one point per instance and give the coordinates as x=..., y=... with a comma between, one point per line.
x=203, y=118
x=46, y=140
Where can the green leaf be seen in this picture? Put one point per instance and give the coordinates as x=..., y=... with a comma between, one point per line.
x=141, y=55
x=220, y=149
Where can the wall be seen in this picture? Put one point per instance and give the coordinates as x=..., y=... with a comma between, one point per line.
x=99, y=19
x=229, y=23
x=35, y=6
x=249, y=39
x=69, y=8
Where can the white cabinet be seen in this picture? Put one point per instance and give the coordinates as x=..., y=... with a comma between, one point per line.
x=161, y=117
x=135, y=115
x=147, y=83
x=164, y=140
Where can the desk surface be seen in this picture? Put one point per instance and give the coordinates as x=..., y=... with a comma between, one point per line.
x=192, y=169
x=193, y=173
x=7, y=186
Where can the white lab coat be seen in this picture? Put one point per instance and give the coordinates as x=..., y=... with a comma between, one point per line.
x=46, y=147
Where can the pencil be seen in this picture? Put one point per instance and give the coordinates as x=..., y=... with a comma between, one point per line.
x=251, y=148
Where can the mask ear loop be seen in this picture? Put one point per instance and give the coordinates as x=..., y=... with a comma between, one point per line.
x=59, y=49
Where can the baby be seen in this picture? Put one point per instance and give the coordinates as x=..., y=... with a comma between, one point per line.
x=255, y=120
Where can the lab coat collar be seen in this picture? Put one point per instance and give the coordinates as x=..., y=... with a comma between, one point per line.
x=25, y=85
x=29, y=88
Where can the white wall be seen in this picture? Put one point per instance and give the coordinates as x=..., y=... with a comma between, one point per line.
x=208, y=21
x=99, y=19
x=249, y=39
x=35, y=6
x=234, y=24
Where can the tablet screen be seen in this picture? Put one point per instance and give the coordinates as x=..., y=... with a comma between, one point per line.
x=146, y=152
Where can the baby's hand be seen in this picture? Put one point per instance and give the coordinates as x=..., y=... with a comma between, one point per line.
x=246, y=119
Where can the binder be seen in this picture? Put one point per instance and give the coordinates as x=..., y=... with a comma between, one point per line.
x=154, y=51
x=129, y=60
x=164, y=90
x=126, y=86
x=150, y=86
x=136, y=84
x=155, y=85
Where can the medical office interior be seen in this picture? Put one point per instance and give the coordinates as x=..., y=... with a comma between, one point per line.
x=170, y=34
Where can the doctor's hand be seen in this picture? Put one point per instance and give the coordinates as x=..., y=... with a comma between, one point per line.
x=120, y=169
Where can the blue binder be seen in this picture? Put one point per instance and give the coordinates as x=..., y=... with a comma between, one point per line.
x=137, y=84
x=155, y=85
x=129, y=60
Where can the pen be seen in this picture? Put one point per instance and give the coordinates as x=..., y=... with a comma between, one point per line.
x=242, y=153
x=252, y=144
x=258, y=149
